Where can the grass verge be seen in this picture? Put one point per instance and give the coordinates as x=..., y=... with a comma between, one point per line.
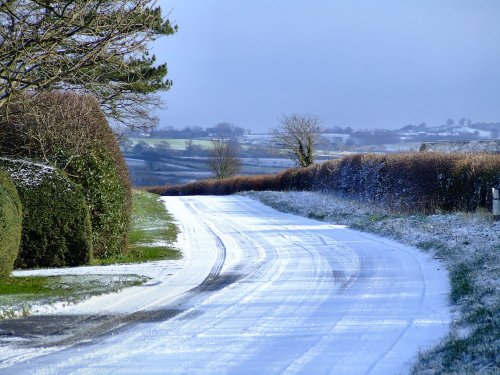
x=19, y=296
x=152, y=232
x=467, y=243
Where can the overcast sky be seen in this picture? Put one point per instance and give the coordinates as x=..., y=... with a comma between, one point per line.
x=364, y=63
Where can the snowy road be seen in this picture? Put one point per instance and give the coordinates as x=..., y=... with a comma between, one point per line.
x=261, y=292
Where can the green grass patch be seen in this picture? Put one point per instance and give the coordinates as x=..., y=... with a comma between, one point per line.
x=19, y=294
x=142, y=254
x=461, y=277
x=64, y=285
x=152, y=232
x=377, y=217
x=431, y=244
x=23, y=285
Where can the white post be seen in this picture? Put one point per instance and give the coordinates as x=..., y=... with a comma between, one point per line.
x=496, y=203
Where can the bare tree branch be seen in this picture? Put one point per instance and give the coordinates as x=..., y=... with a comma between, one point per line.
x=46, y=126
x=298, y=135
x=223, y=159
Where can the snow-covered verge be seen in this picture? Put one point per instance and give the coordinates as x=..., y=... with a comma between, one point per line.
x=65, y=287
x=469, y=244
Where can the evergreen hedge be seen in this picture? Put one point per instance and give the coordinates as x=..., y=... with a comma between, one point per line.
x=108, y=196
x=56, y=230
x=76, y=138
x=10, y=224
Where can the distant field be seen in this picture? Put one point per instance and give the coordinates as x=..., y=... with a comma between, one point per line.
x=174, y=143
x=182, y=170
x=180, y=144
x=179, y=169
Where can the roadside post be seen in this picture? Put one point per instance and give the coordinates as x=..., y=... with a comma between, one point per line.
x=496, y=203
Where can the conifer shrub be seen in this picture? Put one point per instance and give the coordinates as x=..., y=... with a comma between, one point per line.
x=10, y=224
x=70, y=132
x=56, y=230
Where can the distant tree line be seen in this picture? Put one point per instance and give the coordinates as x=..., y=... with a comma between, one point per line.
x=146, y=151
x=220, y=130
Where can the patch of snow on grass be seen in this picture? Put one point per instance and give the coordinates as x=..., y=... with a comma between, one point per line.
x=109, y=278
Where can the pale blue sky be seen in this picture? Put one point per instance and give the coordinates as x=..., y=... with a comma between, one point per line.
x=363, y=63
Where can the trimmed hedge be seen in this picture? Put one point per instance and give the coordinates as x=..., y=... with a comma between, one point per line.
x=56, y=226
x=78, y=139
x=10, y=224
x=410, y=182
x=414, y=182
x=108, y=196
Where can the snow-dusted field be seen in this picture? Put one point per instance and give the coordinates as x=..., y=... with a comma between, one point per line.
x=259, y=292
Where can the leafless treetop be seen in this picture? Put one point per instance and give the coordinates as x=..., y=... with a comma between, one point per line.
x=298, y=135
x=223, y=159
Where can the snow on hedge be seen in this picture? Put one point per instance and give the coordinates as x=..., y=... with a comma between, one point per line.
x=28, y=173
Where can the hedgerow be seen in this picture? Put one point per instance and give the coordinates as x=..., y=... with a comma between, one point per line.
x=219, y=186
x=415, y=182
x=56, y=230
x=409, y=182
x=10, y=224
x=70, y=132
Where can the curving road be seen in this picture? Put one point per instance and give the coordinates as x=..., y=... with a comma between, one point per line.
x=260, y=292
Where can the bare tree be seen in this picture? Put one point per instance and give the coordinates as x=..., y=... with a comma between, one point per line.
x=223, y=158
x=96, y=47
x=298, y=135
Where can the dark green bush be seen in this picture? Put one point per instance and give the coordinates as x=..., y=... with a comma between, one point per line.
x=107, y=194
x=73, y=135
x=56, y=226
x=10, y=224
